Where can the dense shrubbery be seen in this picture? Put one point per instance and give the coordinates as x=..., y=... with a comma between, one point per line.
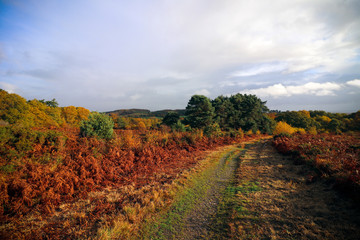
x=320, y=121
x=34, y=113
x=334, y=156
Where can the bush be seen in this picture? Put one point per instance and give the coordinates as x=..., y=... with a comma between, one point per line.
x=283, y=127
x=171, y=119
x=312, y=131
x=179, y=127
x=213, y=130
x=97, y=125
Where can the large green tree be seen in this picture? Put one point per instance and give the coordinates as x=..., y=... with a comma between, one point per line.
x=199, y=112
x=223, y=107
x=242, y=111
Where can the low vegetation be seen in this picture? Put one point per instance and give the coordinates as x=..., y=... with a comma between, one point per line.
x=333, y=156
x=62, y=167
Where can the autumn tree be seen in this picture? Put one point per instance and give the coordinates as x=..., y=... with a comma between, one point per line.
x=43, y=115
x=297, y=119
x=13, y=108
x=74, y=115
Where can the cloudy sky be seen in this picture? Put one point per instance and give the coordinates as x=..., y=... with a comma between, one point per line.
x=155, y=54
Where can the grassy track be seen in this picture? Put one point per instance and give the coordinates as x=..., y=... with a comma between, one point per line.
x=191, y=214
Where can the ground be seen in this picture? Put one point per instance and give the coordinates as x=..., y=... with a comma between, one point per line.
x=257, y=193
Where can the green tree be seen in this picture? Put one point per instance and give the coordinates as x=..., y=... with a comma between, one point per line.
x=199, y=112
x=336, y=125
x=171, y=118
x=242, y=111
x=51, y=103
x=97, y=124
x=223, y=107
x=354, y=121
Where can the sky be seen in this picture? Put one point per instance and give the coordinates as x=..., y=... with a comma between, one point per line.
x=155, y=54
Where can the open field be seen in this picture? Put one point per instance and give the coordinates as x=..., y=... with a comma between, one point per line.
x=68, y=173
x=86, y=183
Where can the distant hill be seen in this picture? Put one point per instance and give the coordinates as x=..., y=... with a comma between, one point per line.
x=145, y=113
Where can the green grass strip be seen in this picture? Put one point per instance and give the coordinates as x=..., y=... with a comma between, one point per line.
x=172, y=222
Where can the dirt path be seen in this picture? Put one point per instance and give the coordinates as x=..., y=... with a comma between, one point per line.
x=264, y=195
x=288, y=204
x=198, y=221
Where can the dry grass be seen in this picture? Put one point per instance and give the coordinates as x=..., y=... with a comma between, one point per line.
x=274, y=200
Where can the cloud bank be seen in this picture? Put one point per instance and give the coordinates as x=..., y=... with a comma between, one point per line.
x=106, y=55
x=311, y=88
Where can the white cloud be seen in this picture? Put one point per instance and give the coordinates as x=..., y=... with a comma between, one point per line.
x=311, y=88
x=204, y=92
x=354, y=83
x=10, y=88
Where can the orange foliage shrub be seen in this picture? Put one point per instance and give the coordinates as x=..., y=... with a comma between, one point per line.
x=86, y=164
x=271, y=115
x=333, y=155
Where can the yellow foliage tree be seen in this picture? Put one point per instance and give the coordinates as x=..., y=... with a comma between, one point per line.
x=13, y=108
x=74, y=115
x=42, y=115
x=82, y=114
x=69, y=114
x=283, y=127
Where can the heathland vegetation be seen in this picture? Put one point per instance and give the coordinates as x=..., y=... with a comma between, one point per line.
x=55, y=157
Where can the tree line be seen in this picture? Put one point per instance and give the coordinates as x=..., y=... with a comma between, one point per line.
x=239, y=111
x=249, y=113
